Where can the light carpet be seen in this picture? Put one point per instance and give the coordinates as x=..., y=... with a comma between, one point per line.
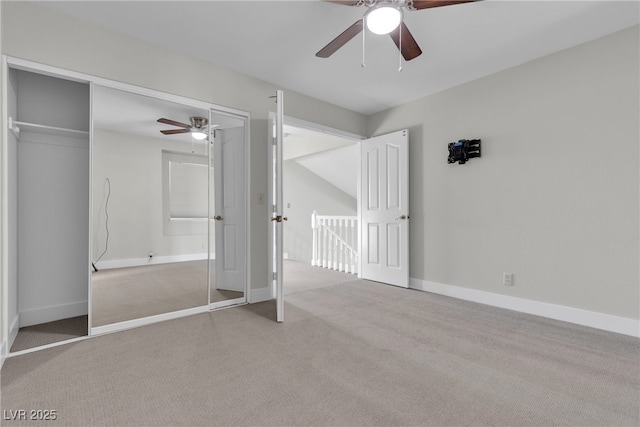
x=350, y=353
x=134, y=292
x=49, y=333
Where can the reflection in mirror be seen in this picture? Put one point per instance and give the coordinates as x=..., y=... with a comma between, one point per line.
x=229, y=254
x=150, y=207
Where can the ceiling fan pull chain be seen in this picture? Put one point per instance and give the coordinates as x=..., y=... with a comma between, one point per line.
x=364, y=32
x=400, y=48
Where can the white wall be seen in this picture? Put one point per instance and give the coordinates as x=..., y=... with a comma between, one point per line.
x=53, y=227
x=304, y=192
x=339, y=166
x=554, y=198
x=133, y=165
x=39, y=34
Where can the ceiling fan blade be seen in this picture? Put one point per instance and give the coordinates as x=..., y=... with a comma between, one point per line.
x=173, y=123
x=175, y=131
x=344, y=2
x=409, y=47
x=426, y=4
x=341, y=40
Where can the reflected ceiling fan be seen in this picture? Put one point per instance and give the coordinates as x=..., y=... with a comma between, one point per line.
x=385, y=17
x=198, y=127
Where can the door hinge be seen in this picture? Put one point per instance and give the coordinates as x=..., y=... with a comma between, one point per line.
x=275, y=275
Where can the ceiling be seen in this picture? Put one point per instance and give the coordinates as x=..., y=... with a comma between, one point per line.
x=276, y=41
x=134, y=114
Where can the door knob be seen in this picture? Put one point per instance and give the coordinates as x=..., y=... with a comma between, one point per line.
x=403, y=217
x=217, y=218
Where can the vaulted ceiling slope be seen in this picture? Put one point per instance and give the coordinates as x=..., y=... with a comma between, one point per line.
x=276, y=41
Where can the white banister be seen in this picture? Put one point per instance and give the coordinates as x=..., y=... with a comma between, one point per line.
x=335, y=242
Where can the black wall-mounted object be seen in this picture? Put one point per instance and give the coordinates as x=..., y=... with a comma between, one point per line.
x=463, y=150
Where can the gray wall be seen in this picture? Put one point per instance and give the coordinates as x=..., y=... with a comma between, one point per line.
x=554, y=198
x=133, y=165
x=305, y=192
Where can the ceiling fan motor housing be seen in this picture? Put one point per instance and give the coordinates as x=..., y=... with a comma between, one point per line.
x=198, y=122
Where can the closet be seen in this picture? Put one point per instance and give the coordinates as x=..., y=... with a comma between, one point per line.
x=48, y=181
x=77, y=147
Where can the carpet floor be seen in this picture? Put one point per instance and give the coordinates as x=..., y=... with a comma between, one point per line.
x=49, y=333
x=132, y=293
x=350, y=353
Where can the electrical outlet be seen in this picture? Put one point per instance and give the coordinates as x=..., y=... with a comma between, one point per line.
x=507, y=279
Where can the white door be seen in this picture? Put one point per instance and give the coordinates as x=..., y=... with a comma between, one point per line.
x=276, y=208
x=229, y=206
x=384, y=208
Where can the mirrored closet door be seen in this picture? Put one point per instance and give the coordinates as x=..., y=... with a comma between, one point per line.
x=150, y=207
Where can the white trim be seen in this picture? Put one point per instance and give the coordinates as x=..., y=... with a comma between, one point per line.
x=149, y=320
x=299, y=123
x=90, y=234
x=261, y=294
x=607, y=322
x=44, y=347
x=136, y=262
x=52, y=313
x=4, y=270
x=248, y=210
x=3, y=351
x=227, y=303
x=14, y=328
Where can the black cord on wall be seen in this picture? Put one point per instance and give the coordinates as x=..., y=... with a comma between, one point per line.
x=107, y=182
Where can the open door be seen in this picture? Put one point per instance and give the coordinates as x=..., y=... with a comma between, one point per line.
x=276, y=208
x=384, y=208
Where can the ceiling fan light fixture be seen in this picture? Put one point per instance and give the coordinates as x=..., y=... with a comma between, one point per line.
x=198, y=134
x=383, y=19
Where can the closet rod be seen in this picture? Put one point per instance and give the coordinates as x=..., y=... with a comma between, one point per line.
x=17, y=126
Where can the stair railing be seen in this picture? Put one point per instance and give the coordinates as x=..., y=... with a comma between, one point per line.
x=335, y=242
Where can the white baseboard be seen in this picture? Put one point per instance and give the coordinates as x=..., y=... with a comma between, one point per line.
x=260, y=294
x=607, y=322
x=14, y=328
x=3, y=351
x=54, y=312
x=136, y=262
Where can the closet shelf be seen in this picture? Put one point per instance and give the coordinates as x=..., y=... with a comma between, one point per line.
x=17, y=126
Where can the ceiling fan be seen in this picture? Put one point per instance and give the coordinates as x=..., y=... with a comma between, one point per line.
x=198, y=127
x=385, y=17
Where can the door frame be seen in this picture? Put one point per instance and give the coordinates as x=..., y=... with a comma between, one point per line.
x=313, y=126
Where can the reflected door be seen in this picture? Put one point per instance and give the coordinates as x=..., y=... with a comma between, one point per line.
x=229, y=210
